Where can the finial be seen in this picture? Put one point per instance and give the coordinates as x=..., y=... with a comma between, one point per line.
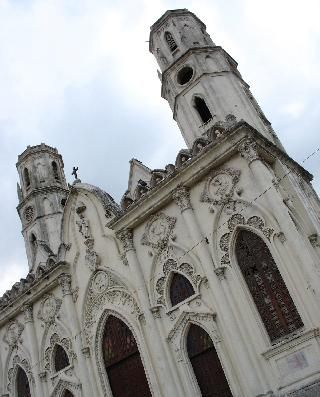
x=75, y=173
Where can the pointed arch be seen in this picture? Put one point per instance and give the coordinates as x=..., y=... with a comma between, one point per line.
x=180, y=288
x=67, y=393
x=61, y=359
x=26, y=177
x=206, y=363
x=266, y=285
x=122, y=360
x=170, y=41
x=202, y=109
x=55, y=171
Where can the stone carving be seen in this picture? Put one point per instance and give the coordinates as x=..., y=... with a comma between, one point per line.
x=49, y=352
x=126, y=238
x=84, y=227
x=92, y=259
x=220, y=272
x=181, y=197
x=12, y=373
x=65, y=284
x=158, y=231
x=172, y=266
x=66, y=385
x=248, y=150
x=27, y=310
x=187, y=317
x=28, y=214
x=104, y=290
x=13, y=333
x=49, y=308
x=219, y=187
x=281, y=236
x=314, y=240
x=238, y=219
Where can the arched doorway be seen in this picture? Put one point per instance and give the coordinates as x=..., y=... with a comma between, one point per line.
x=265, y=283
x=23, y=387
x=122, y=361
x=206, y=364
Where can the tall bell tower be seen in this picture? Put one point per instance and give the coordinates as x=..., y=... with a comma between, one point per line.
x=42, y=194
x=200, y=80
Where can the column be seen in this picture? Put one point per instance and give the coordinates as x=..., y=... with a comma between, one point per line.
x=162, y=364
x=27, y=310
x=237, y=337
x=88, y=385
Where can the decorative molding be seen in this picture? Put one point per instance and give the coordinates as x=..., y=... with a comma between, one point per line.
x=86, y=351
x=169, y=266
x=27, y=310
x=13, y=333
x=248, y=150
x=158, y=230
x=126, y=238
x=181, y=197
x=63, y=385
x=106, y=290
x=156, y=311
x=235, y=220
x=49, y=308
x=64, y=281
x=220, y=272
x=92, y=259
x=281, y=236
x=12, y=373
x=220, y=185
x=49, y=352
x=314, y=240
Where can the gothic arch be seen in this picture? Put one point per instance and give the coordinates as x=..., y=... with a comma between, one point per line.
x=200, y=104
x=63, y=385
x=49, y=354
x=137, y=334
x=16, y=363
x=177, y=338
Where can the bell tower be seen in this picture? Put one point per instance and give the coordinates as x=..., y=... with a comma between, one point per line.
x=200, y=80
x=42, y=194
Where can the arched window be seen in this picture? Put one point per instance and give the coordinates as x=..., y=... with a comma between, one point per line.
x=23, y=387
x=61, y=359
x=26, y=177
x=202, y=109
x=180, y=289
x=206, y=364
x=55, y=171
x=170, y=41
x=122, y=361
x=268, y=290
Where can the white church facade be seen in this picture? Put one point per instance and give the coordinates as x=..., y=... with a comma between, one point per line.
x=203, y=281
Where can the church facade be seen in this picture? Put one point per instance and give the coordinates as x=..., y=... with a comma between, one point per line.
x=203, y=281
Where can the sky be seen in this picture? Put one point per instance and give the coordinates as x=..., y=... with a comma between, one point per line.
x=78, y=75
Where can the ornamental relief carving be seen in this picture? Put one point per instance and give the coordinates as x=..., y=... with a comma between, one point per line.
x=64, y=385
x=169, y=266
x=49, y=308
x=235, y=220
x=158, y=230
x=13, y=333
x=48, y=355
x=219, y=187
x=104, y=290
x=17, y=362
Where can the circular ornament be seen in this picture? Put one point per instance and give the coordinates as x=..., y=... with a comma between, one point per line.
x=100, y=282
x=28, y=213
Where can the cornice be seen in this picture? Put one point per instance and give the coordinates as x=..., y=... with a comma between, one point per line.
x=44, y=283
x=189, y=173
x=41, y=190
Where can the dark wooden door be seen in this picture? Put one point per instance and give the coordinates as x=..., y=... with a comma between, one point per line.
x=23, y=387
x=122, y=360
x=206, y=364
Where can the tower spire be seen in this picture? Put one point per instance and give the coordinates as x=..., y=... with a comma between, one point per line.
x=200, y=80
x=42, y=193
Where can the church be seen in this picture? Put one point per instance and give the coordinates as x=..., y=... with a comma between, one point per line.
x=202, y=281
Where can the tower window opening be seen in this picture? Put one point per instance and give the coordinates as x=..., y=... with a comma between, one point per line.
x=170, y=41
x=202, y=109
x=26, y=177
x=185, y=75
x=23, y=387
x=55, y=171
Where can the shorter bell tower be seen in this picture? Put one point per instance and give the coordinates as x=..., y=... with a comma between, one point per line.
x=42, y=194
x=200, y=80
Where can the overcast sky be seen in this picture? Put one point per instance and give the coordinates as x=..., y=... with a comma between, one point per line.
x=77, y=75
